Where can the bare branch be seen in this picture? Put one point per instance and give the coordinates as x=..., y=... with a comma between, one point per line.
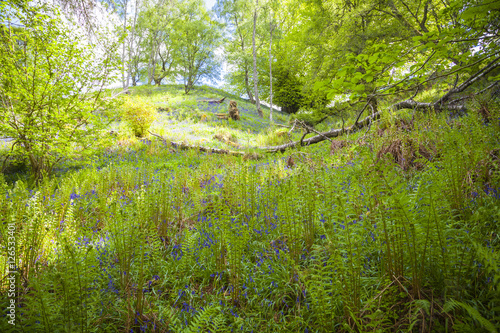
x=325, y=135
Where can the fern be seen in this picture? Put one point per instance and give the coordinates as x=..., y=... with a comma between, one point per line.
x=473, y=313
x=204, y=321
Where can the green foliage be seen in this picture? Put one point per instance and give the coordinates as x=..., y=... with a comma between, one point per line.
x=139, y=114
x=196, y=37
x=472, y=312
x=51, y=87
x=287, y=90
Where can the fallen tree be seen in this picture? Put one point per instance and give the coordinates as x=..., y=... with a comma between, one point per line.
x=323, y=135
x=184, y=146
x=281, y=148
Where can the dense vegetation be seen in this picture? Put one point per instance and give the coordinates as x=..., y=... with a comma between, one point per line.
x=369, y=203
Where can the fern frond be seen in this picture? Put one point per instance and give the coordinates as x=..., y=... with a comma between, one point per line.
x=203, y=322
x=473, y=313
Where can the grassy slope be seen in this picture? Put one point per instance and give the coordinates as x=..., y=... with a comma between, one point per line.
x=148, y=239
x=191, y=118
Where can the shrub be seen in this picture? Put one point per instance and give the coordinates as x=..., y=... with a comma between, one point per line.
x=52, y=98
x=139, y=114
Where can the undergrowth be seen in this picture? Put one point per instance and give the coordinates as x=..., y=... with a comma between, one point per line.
x=368, y=239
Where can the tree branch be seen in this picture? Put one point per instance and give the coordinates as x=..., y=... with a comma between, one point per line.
x=323, y=136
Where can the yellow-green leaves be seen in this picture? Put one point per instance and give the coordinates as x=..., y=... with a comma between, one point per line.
x=139, y=114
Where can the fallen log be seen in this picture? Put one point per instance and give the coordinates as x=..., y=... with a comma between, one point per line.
x=184, y=146
x=274, y=149
x=222, y=116
x=213, y=101
x=325, y=135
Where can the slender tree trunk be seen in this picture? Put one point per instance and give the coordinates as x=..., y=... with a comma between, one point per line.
x=131, y=45
x=255, y=77
x=270, y=71
x=124, y=83
x=247, y=86
x=242, y=38
x=151, y=65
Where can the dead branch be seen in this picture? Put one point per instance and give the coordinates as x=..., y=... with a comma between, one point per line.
x=311, y=129
x=184, y=146
x=444, y=102
x=324, y=136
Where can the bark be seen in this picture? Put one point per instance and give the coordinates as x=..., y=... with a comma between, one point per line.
x=255, y=77
x=151, y=66
x=474, y=78
x=242, y=44
x=247, y=86
x=157, y=80
x=131, y=46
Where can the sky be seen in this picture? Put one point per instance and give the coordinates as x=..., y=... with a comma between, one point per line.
x=210, y=3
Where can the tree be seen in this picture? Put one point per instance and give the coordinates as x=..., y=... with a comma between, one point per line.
x=52, y=99
x=134, y=39
x=196, y=37
x=237, y=14
x=450, y=44
x=156, y=22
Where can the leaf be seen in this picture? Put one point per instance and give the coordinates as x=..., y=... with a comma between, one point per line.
x=359, y=88
x=473, y=313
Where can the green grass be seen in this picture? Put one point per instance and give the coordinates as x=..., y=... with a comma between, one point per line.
x=143, y=238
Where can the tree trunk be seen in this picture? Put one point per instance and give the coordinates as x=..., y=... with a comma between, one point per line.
x=247, y=86
x=131, y=45
x=255, y=77
x=151, y=63
x=124, y=83
x=270, y=71
x=157, y=81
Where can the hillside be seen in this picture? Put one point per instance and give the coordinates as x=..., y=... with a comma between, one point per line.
x=391, y=228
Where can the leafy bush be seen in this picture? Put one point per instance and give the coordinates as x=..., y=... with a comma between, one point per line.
x=56, y=104
x=139, y=114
